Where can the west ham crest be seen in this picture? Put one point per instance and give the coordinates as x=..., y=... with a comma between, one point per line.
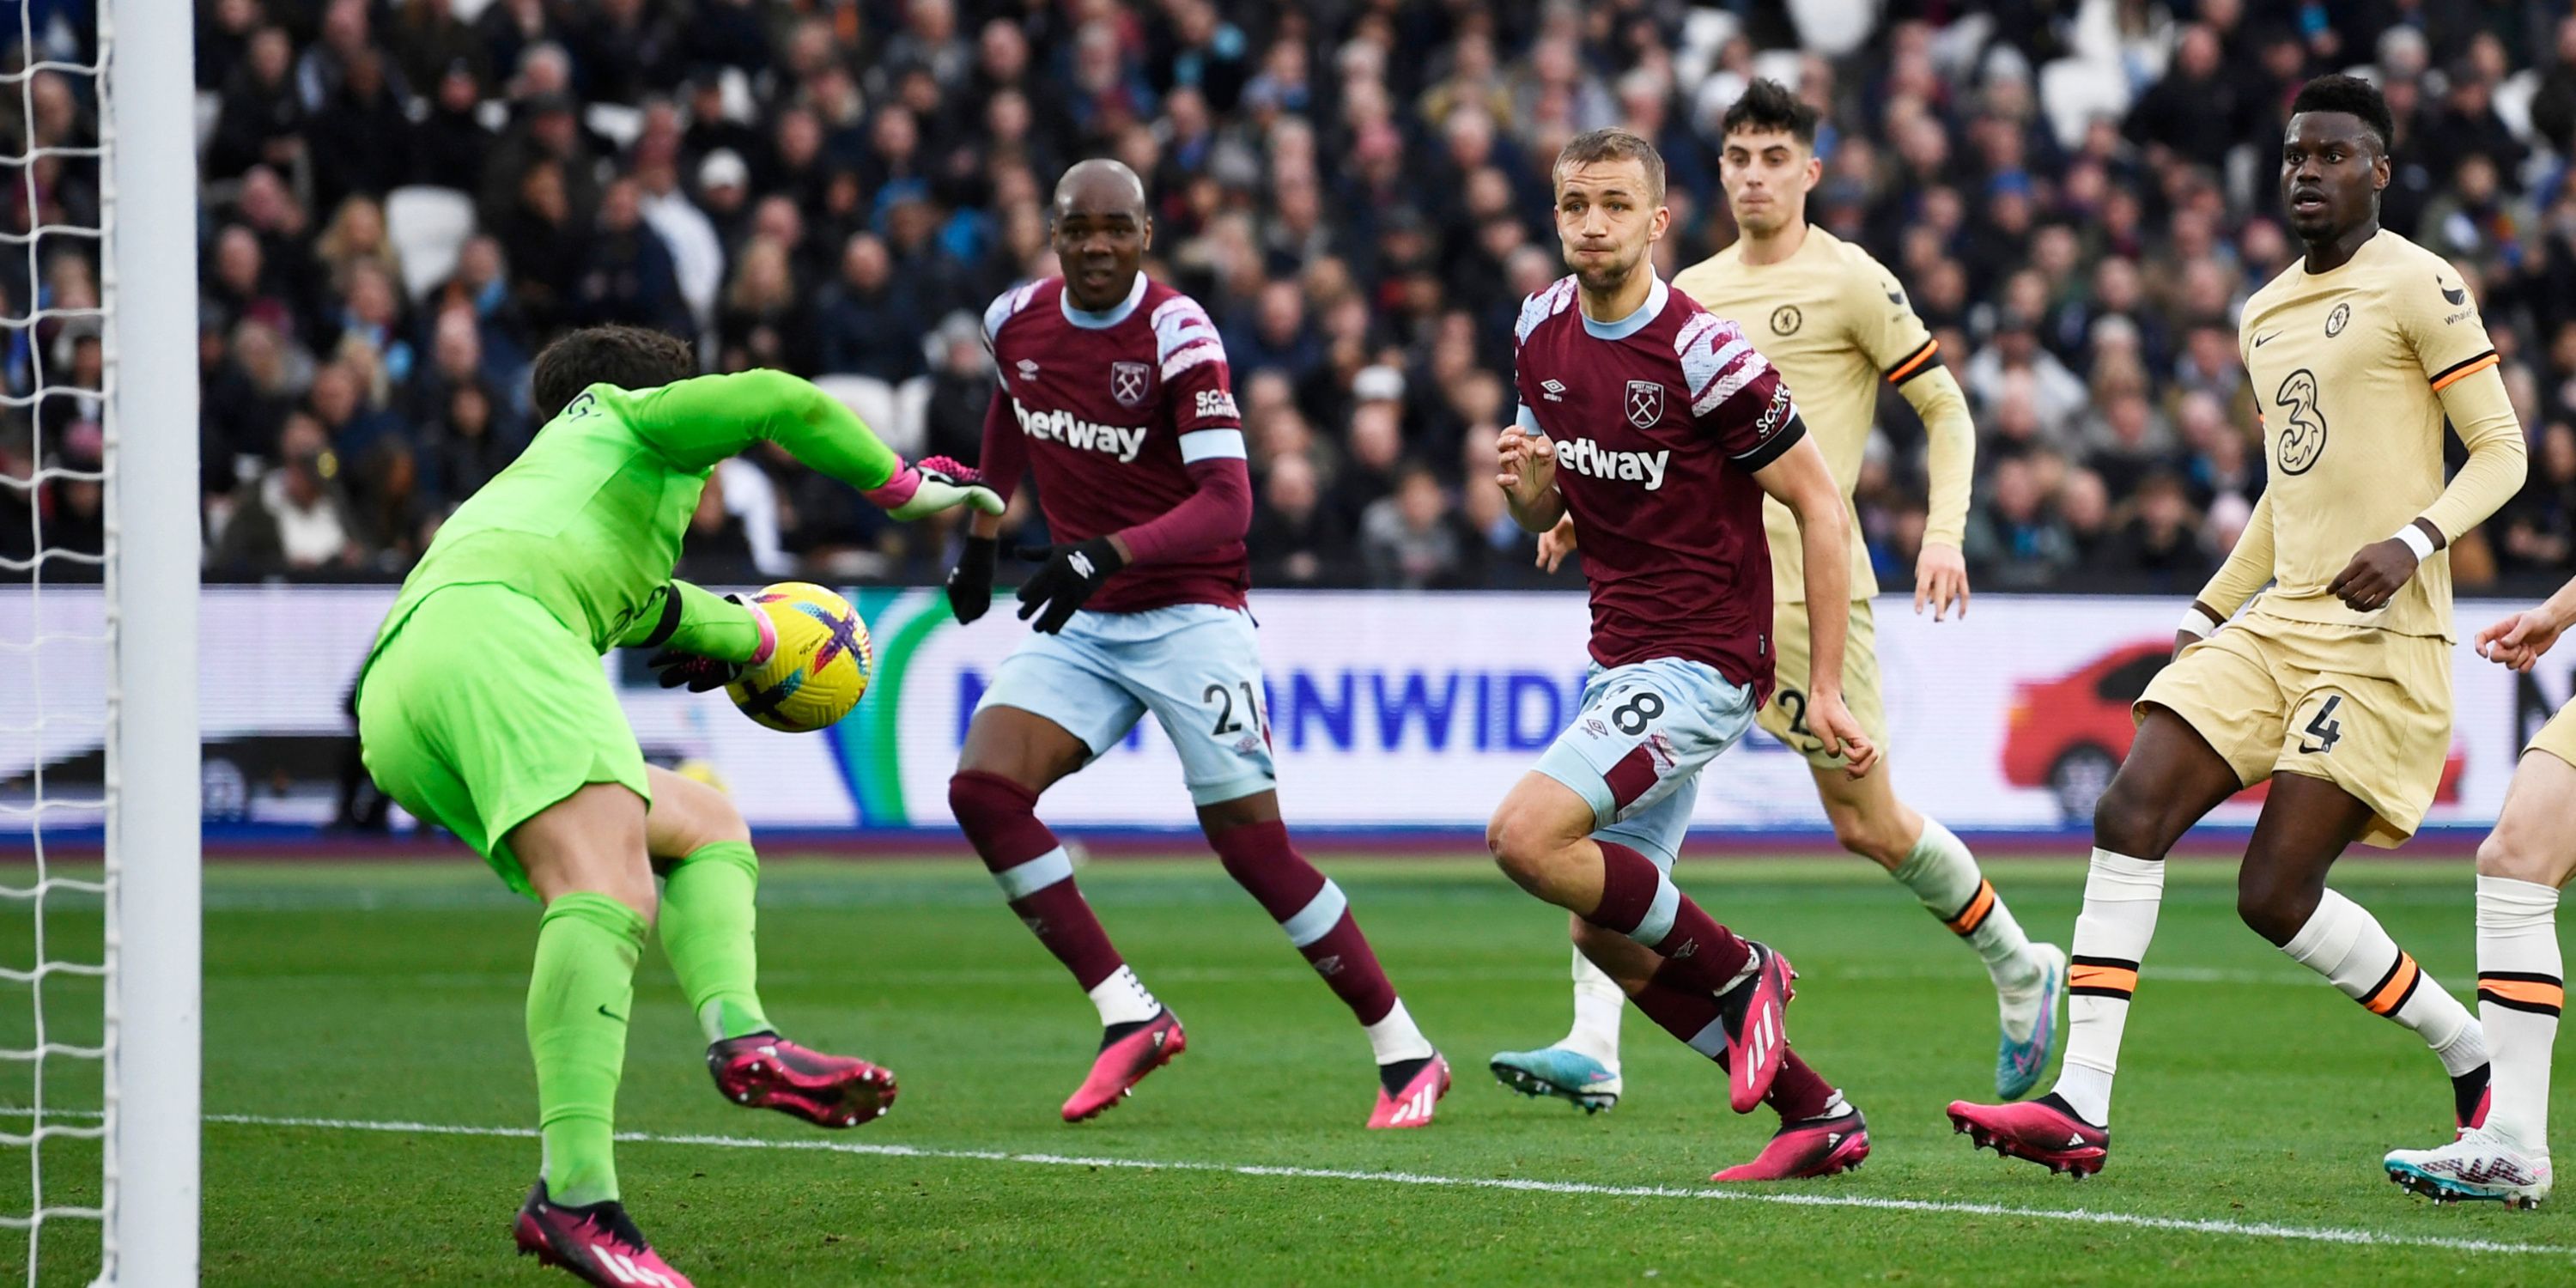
x=1645, y=403
x=1127, y=381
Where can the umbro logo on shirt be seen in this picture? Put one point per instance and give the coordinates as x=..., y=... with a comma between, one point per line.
x=1552, y=390
x=1028, y=368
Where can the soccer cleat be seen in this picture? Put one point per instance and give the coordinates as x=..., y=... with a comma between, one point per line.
x=597, y=1244
x=2018, y=1064
x=2043, y=1131
x=766, y=1071
x=1413, y=1106
x=2478, y=1165
x=1555, y=1071
x=1816, y=1147
x=1757, y=1036
x=1124, y=1061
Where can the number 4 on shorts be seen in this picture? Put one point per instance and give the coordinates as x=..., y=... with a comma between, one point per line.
x=2325, y=729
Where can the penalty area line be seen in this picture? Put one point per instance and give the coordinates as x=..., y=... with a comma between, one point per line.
x=2085, y=1216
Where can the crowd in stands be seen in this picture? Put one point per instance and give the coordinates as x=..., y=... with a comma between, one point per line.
x=402, y=199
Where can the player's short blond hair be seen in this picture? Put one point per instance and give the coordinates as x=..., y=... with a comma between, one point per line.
x=1613, y=144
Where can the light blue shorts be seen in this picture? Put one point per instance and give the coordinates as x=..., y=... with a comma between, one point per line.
x=1636, y=748
x=1197, y=667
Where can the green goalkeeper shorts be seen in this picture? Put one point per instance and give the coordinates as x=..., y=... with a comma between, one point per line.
x=482, y=710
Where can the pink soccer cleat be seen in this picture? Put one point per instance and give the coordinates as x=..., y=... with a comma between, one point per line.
x=595, y=1244
x=1816, y=1147
x=1124, y=1061
x=1413, y=1106
x=766, y=1071
x=1757, y=1034
x=2043, y=1131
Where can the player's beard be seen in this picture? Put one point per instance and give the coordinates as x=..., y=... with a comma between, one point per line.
x=1607, y=278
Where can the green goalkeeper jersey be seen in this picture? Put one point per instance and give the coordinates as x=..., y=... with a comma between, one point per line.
x=588, y=521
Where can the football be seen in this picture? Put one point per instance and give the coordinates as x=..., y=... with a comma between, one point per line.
x=822, y=665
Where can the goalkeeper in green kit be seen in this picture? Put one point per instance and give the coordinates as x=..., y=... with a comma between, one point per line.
x=484, y=708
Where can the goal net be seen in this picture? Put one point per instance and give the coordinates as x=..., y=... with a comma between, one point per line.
x=99, y=853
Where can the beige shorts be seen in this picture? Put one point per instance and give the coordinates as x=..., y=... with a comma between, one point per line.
x=1785, y=715
x=2361, y=708
x=2558, y=737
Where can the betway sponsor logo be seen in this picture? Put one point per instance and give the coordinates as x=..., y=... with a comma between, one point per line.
x=1082, y=435
x=1583, y=456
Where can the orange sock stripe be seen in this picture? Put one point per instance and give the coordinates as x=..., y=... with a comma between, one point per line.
x=2464, y=370
x=1974, y=915
x=2396, y=988
x=2523, y=992
x=2102, y=981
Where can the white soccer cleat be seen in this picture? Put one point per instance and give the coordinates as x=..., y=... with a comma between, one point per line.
x=2479, y=1165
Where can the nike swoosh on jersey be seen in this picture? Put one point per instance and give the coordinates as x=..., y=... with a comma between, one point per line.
x=2261, y=340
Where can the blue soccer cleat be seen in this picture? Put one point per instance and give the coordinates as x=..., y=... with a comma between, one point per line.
x=2018, y=1064
x=1556, y=1071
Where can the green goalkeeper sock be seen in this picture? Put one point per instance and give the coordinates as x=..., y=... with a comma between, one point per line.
x=707, y=929
x=579, y=996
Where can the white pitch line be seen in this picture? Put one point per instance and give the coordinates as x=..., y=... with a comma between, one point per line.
x=2236, y=1229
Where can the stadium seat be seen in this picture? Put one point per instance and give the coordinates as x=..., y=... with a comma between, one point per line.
x=427, y=225
x=2074, y=91
x=881, y=406
x=617, y=122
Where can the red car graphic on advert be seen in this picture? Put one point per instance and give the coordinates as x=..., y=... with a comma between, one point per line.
x=2070, y=733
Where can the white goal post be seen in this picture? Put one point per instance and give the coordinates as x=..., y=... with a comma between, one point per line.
x=155, y=1012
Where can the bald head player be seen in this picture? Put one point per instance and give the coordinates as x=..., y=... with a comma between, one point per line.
x=1114, y=391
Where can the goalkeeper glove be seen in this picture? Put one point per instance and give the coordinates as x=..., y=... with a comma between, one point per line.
x=970, y=583
x=701, y=672
x=939, y=483
x=1068, y=578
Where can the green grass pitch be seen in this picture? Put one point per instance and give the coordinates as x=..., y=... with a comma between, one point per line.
x=345, y=1001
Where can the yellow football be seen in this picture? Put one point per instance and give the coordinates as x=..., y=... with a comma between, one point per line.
x=822, y=665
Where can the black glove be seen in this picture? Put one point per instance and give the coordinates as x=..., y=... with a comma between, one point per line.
x=970, y=583
x=1070, y=576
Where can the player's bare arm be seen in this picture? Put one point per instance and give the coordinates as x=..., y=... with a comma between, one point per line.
x=1528, y=479
x=1800, y=480
x=1555, y=544
x=2519, y=640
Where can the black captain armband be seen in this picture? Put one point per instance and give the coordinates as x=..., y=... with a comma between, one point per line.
x=669, y=594
x=1774, y=445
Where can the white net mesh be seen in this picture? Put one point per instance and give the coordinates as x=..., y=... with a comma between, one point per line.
x=56, y=638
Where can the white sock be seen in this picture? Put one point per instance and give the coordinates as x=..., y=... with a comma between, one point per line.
x=2121, y=898
x=2521, y=987
x=1944, y=876
x=2344, y=943
x=1395, y=1038
x=1122, y=999
x=1597, y=1005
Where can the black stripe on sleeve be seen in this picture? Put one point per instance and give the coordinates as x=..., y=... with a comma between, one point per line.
x=1771, y=448
x=1921, y=360
x=670, y=623
x=2456, y=367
